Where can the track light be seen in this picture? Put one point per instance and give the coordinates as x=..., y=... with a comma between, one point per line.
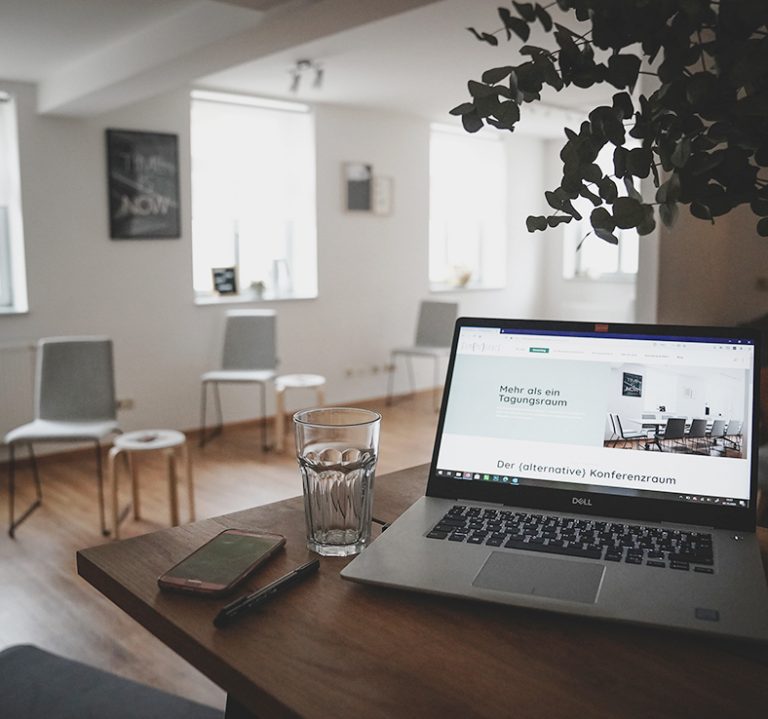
x=306, y=66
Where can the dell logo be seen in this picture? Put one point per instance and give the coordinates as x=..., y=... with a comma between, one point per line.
x=583, y=501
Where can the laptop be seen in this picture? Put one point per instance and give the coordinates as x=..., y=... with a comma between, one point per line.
x=601, y=470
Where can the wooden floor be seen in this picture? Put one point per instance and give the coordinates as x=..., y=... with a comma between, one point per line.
x=44, y=602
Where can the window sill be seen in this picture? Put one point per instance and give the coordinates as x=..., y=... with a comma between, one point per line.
x=14, y=310
x=444, y=287
x=617, y=279
x=210, y=298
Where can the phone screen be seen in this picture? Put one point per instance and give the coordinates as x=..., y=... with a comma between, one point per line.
x=224, y=558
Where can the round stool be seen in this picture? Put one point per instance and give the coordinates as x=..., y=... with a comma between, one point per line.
x=293, y=381
x=150, y=440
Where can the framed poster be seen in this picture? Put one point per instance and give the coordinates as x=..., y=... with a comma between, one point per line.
x=143, y=176
x=632, y=385
x=225, y=280
x=358, y=178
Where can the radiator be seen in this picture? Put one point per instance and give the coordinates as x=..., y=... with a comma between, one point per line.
x=17, y=382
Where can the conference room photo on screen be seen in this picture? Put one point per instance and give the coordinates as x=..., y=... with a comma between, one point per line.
x=688, y=410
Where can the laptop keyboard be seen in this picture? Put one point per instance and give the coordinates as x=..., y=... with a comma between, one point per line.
x=610, y=541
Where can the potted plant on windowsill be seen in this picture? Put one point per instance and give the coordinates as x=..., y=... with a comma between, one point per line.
x=701, y=134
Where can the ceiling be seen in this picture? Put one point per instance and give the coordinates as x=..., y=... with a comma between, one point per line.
x=414, y=56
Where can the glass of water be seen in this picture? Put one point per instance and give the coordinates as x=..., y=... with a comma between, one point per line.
x=337, y=449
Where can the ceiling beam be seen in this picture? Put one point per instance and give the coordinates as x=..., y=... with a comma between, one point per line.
x=202, y=39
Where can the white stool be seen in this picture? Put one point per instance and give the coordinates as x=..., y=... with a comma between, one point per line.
x=148, y=440
x=293, y=381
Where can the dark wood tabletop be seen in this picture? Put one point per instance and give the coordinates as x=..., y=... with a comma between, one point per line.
x=330, y=648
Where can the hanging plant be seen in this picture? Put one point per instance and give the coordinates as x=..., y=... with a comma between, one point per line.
x=702, y=135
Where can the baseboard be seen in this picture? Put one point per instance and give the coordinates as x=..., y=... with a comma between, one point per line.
x=194, y=433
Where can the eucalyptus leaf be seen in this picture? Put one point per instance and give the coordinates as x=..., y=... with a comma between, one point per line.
x=471, y=121
x=639, y=161
x=525, y=10
x=601, y=219
x=609, y=237
x=544, y=18
x=497, y=74
x=463, y=109
x=514, y=24
x=534, y=223
x=668, y=213
x=627, y=212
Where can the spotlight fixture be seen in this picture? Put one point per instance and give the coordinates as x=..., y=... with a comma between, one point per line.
x=306, y=66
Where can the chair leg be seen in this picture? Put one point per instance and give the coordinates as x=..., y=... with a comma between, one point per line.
x=113, y=479
x=264, y=444
x=220, y=418
x=134, y=472
x=279, y=419
x=187, y=459
x=35, y=473
x=11, y=487
x=411, y=378
x=219, y=415
x=173, y=487
x=100, y=480
x=391, y=379
x=13, y=522
x=203, y=397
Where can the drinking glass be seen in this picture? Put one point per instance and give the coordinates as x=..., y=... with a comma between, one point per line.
x=337, y=448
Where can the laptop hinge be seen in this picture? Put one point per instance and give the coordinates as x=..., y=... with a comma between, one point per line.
x=682, y=525
x=480, y=504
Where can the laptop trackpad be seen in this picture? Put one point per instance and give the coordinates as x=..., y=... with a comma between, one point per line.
x=541, y=576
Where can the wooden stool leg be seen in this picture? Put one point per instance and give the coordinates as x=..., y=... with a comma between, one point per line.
x=185, y=456
x=134, y=485
x=320, y=397
x=111, y=460
x=173, y=487
x=280, y=419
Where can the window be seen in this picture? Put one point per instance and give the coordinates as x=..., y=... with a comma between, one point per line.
x=467, y=213
x=587, y=256
x=13, y=290
x=253, y=195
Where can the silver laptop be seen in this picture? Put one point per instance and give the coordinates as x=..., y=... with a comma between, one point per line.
x=602, y=470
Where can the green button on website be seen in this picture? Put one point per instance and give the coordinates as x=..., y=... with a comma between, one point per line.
x=540, y=350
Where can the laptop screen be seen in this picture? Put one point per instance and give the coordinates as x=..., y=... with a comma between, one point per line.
x=634, y=415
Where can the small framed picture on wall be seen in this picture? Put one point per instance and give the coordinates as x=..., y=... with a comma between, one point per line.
x=358, y=181
x=632, y=385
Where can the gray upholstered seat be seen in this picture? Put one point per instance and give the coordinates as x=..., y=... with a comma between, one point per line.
x=249, y=356
x=74, y=402
x=35, y=684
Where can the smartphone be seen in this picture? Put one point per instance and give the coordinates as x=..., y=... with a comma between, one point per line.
x=221, y=563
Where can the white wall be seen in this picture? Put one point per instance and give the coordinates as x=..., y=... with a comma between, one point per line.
x=372, y=270
x=729, y=257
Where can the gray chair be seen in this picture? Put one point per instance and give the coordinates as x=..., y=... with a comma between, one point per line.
x=36, y=684
x=249, y=357
x=717, y=433
x=733, y=434
x=74, y=402
x=627, y=436
x=434, y=332
x=674, y=433
x=697, y=433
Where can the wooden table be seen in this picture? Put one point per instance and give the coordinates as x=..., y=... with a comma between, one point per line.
x=328, y=648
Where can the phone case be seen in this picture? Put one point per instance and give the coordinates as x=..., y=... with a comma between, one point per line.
x=209, y=589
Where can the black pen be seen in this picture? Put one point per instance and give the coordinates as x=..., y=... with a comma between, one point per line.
x=249, y=601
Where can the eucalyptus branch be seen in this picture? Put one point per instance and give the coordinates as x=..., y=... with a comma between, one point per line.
x=701, y=45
